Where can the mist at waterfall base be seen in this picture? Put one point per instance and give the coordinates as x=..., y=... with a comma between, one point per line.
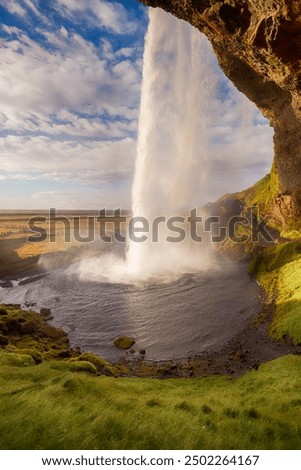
x=175, y=299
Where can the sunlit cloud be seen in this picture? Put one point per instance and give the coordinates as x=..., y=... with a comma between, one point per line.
x=70, y=81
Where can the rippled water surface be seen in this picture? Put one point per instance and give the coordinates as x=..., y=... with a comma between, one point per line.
x=187, y=316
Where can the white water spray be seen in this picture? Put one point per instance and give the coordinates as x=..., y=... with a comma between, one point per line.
x=179, y=114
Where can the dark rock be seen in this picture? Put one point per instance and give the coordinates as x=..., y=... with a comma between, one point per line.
x=13, y=325
x=240, y=356
x=3, y=328
x=3, y=341
x=6, y=283
x=142, y=352
x=64, y=353
x=28, y=328
x=45, y=312
x=30, y=304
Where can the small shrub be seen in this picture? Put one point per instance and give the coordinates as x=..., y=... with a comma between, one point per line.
x=152, y=403
x=184, y=406
x=231, y=413
x=252, y=413
x=13, y=326
x=3, y=311
x=296, y=402
x=206, y=409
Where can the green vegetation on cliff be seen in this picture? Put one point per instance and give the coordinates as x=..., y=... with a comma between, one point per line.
x=278, y=269
x=262, y=193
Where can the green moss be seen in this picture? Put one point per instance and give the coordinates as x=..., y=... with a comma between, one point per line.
x=75, y=366
x=37, y=357
x=291, y=234
x=17, y=360
x=102, y=366
x=263, y=192
x=278, y=270
x=124, y=342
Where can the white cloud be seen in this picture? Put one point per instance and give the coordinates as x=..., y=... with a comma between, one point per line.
x=38, y=85
x=110, y=15
x=14, y=6
x=76, y=162
x=69, y=110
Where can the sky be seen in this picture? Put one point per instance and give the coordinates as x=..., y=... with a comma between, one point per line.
x=70, y=83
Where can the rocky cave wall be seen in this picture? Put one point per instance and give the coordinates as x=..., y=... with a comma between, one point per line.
x=258, y=45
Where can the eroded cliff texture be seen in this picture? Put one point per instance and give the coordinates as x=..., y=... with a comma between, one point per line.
x=258, y=45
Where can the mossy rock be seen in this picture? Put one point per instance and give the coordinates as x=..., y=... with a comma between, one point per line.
x=37, y=357
x=53, y=333
x=75, y=366
x=103, y=367
x=45, y=312
x=65, y=353
x=3, y=311
x=124, y=342
x=17, y=360
x=27, y=327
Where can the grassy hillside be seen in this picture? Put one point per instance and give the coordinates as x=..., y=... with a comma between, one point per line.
x=53, y=406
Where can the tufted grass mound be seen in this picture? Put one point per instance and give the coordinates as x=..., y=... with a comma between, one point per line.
x=51, y=406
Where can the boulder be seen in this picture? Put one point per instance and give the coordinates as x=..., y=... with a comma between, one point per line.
x=124, y=342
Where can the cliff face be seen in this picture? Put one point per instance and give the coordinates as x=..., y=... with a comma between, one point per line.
x=258, y=45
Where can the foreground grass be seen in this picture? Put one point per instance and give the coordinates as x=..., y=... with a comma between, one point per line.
x=49, y=406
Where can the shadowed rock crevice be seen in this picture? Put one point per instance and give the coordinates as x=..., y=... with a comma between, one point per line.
x=258, y=45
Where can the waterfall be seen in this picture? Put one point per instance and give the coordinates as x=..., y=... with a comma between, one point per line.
x=178, y=112
x=178, y=88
